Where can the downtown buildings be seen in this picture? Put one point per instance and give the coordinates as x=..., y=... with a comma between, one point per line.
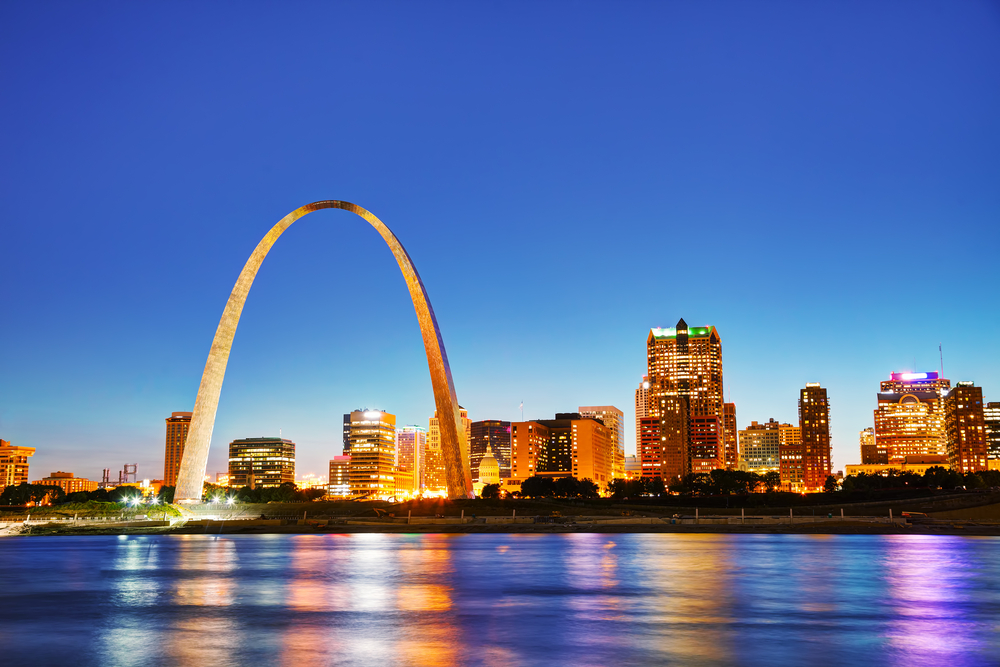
x=570, y=445
x=261, y=463
x=14, y=464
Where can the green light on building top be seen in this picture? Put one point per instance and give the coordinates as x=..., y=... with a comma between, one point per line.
x=671, y=332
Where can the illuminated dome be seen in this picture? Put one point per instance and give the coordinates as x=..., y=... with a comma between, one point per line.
x=489, y=468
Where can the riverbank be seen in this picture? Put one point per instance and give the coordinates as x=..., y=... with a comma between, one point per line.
x=874, y=526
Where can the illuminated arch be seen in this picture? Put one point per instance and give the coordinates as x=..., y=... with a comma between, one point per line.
x=453, y=445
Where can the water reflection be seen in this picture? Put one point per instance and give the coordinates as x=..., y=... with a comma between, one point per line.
x=581, y=599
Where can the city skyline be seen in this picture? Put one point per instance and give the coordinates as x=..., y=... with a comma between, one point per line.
x=819, y=160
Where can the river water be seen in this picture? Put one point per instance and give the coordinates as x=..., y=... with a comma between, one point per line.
x=576, y=599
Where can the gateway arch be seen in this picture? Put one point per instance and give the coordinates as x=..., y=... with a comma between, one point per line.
x=454, y=448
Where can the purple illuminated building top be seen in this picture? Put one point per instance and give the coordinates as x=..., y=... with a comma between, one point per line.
x=930, y=375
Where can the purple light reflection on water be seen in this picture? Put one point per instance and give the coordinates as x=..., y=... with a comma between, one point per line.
x=580, y=599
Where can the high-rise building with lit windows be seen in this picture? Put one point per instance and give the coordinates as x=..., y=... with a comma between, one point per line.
x=411, y=452
x=730, y=436
x=261, y=463
x=965, y=426
x=814, y=420
x=991, y=420
x=614, y=419
x=790, y=454
x=685, y=394
x=372, y=441
x=178, y=424
x=909, y=419
x=641, y=403
x=14, y=464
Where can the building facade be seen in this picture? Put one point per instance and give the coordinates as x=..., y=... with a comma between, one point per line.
x=261, y=463
x=685, y=394
x=814, y=420
x=641, y=407
x=372, y=440
x=411, y=452
x=569, y=445
x=178, y=424
x=14, y=464
x=760, y=447
x=489, y=435
x=914, y=464
x=339, y=484
x=730, y=435
x=435, y=481
x=965, y=426
x=871, y=453
x=909, y=419
x=68, y=482
x=991, y=420
x=614, y=419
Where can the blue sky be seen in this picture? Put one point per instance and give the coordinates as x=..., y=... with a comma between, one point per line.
x=820, y=181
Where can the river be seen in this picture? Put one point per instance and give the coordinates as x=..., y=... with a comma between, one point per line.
x=570, y=599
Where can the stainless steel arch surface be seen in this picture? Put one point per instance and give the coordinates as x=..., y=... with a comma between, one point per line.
x=453, y=445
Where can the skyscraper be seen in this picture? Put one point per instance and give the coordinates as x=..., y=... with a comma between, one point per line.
x=685, y=394
x=790, y=453
x=909, y=419
x=650, y=448
x=730, y=437
x=614, y=419
x=261, y=462
x=991, y=420
x=491, y=435
x=641, y=407
x=178, y=424
x=372, y=440
x=966, y=428
x=814, y=420
x=411, y=452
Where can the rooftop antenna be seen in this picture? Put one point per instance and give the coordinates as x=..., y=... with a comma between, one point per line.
x=941, y=353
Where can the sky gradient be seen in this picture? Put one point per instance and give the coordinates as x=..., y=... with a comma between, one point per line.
x=820, y=181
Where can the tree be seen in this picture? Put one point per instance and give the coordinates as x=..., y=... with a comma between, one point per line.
x=588, y=489
x=831, y=484
x=25, y=493
x=567, y=487
x=538, y=487
x=772, y=480
x=490, y=492
x=654, y=486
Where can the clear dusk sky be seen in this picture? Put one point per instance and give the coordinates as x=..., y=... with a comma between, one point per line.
x=819, y=180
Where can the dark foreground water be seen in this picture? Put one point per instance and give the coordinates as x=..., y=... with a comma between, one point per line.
x=583, y=599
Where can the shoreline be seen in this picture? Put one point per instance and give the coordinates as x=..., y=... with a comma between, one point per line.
x=234, y=528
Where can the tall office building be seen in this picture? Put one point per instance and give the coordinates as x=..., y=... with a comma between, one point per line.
x=411, y=452
x=909, y=419
x=261, y=463
x=650, y=449
x=685, y=394
x=760, y=447
x=991, y=420
x=339, y=485
x=435, y=481
x=178, y=424
x=372, y=440
x=569, y=445
x=814, y=420
x=347, y=433
x=790, y=455
x=641, y=408
x=14, y=464
x=730, y=436
x=871, y=453
x=614, y=419
x=965, y=426
x=489, y=435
